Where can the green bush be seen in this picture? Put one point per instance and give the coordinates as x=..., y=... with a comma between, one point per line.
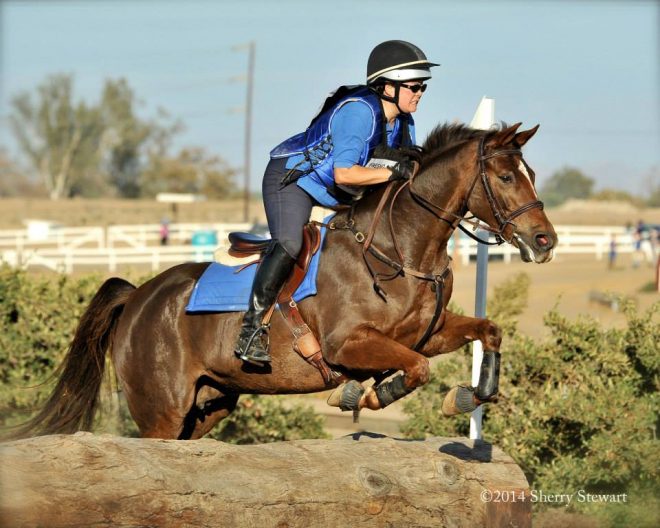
x=261, y=419
x=577, y=410
x=38, y=317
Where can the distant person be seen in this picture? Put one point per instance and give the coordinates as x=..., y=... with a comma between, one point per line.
x=612, y=253
x=164, y=232
x=644, y=242
x=637, y=255
x=332, y=163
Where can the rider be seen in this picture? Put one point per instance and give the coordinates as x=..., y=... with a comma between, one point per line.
x=330, y=164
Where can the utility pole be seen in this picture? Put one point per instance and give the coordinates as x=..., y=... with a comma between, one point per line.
x=250, y=47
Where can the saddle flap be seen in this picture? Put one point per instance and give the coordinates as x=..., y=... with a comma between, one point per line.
x=246, y=244
x=311, y=244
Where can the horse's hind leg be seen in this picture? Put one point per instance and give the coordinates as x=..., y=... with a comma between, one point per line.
x=203, y=420
x=212, y=404
x=368, y=349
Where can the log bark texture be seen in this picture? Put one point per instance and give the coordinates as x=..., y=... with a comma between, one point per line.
x=360, y=480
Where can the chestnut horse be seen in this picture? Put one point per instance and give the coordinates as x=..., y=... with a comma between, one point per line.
x=179, y=373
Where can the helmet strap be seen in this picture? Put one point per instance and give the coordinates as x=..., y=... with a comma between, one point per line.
x=392, y=99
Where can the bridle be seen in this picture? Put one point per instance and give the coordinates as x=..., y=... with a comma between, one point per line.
x=498, y=211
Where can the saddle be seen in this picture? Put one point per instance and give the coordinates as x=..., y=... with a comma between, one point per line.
x=246, y=245
x=304, y=342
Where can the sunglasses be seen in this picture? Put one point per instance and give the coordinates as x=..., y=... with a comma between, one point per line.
x=414, y=88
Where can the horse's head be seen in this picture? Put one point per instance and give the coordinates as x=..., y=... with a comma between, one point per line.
x=503, y=195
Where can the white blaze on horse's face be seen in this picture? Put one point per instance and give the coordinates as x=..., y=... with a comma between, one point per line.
x=523, y=169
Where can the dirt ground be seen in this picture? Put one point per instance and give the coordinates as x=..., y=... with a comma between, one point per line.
x=567, y=283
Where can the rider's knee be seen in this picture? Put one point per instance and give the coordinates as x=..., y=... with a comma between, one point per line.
x=291, y=246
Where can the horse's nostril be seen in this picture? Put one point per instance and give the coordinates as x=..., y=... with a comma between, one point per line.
x=543, y=240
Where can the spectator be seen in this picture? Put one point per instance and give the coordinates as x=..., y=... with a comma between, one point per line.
x=164, y=232
x=612, y=253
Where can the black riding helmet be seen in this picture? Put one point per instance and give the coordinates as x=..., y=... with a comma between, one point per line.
x=396, y=61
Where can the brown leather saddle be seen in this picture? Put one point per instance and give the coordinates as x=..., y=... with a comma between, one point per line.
x=246, y=244
x=304, y=342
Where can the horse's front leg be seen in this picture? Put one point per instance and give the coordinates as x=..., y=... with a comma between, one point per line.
x=368, y=349
x=457, y=331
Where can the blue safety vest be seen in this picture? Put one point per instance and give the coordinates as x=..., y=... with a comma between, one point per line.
x=315, y=144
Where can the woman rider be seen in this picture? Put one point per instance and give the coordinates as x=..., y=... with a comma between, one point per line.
x=328, y=163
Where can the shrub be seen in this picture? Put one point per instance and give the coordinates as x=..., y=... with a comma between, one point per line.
x=261, y=419
x=37, y=319
x=577, y=410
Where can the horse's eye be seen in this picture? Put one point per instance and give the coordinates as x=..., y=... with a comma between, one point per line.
x=506, y=178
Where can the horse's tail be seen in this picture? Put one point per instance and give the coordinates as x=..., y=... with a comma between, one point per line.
x=72, y=404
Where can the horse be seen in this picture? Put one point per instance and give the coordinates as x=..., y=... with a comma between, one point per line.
x=179, y=373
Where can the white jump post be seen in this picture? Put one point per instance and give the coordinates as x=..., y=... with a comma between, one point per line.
x=483, y=119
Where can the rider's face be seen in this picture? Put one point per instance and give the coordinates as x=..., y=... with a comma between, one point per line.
x=408, y=100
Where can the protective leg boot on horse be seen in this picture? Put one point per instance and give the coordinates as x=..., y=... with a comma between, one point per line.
x=272, y=273
x=353, y=396
x=464, y=398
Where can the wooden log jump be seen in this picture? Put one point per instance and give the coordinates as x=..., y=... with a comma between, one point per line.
x=360, y=480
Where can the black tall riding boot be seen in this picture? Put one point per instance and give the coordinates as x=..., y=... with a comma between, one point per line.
x=271, y=275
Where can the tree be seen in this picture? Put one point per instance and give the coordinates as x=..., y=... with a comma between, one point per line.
x=88, y=150
x=566, y=183
x=59, y=139
x=127, y=138
x=13, y=181
x=192, y=171
x=617, y=195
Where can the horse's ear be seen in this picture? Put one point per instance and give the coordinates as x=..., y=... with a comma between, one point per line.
x=523, y=137
x=503, y=137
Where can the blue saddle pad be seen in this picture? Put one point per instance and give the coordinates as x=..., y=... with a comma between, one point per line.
x=224, y=288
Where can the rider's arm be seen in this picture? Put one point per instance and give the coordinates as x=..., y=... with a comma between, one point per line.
x=358, y=175
x=350, y=128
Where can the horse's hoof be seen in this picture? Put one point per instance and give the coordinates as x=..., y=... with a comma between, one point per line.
x=347, y=396
x=459, y=400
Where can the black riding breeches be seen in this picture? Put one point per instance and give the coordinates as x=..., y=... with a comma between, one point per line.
x=287, y=208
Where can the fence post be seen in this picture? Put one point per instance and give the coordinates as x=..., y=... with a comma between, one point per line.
x=483, y=119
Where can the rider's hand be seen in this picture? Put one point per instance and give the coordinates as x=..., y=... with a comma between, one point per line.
x=403, y=170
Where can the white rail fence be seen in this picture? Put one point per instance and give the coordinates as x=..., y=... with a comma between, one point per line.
x=65, y=249
x=587, y=240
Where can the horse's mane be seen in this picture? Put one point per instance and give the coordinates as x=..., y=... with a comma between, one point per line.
x=443, y=138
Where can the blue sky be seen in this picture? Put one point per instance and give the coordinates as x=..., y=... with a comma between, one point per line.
x=587, y=71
